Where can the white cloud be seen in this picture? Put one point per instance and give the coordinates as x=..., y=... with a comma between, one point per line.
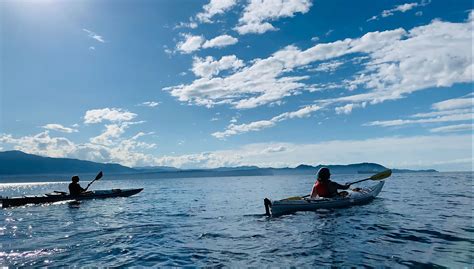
x=327, y=66
x=454, y=104
x=235, y=129
x=214, y=7
x=208, y=67
x=442, y=113
x=59, y=128
x=190, y=43
x=42, y=144
x=417, y=152
x=258, y=13
x=394, y=64
x=408, y=64
x=109, y=114
x=453, y=128
x=265, y=82
x=111, y=132
x=400, y=8
x=126, y=151
x=450, y=110
x=191, y=24
x=150, y=104
x=94, y=36
x=220, y=42
x=347, y=109
x=398, y=122
x=273, y=149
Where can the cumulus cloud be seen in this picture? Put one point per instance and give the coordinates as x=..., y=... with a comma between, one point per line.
x=208, y=67
x=42, y=144
x=59, y=128
x=93, y=35
x=213, y=8
x=112, y=131
x=235, y=129
x=108, y=114
x=192, y=43
x=258, y=13
x=220, y=41
x=126, y=151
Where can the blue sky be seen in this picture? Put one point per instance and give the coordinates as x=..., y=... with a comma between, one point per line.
x=239, y=82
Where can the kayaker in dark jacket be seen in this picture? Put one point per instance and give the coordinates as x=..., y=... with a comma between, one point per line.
x=323, y=187
x=74, y=187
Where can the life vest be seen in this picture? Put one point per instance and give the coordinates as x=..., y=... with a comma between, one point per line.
x=322, y=188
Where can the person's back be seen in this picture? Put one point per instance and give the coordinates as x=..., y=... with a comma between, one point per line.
x=74, y=187
x=324, y=187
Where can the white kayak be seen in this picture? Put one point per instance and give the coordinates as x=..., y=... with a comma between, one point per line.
x=354, y=197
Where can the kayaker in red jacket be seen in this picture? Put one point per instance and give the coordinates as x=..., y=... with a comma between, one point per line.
x=74, y=187
x=323, y=187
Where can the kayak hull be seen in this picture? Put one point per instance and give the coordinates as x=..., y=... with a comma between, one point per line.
x=52, y=198
x=363, y=196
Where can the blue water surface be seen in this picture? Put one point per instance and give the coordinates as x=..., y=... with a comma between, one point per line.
x=418, y=219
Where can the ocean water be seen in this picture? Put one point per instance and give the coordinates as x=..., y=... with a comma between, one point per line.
x=417, y=220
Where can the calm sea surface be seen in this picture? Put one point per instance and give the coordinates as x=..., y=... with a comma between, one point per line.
x=418, y=219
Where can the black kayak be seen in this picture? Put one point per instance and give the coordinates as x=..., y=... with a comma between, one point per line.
x=58, y=197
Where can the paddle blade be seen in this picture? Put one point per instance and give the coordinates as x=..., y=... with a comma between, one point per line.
x=99, y=176
x=381, y=175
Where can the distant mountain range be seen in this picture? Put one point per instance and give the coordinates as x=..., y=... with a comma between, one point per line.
x=17, y=162
x=20, y=163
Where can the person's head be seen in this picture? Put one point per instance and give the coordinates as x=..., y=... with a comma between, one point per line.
x=323, y=174
x=75, y=178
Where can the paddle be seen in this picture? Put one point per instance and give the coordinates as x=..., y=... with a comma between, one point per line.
x=99, y=176
x=378, y=176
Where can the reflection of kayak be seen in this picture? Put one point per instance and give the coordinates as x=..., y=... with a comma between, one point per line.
x=353, y=197
x=57, y=197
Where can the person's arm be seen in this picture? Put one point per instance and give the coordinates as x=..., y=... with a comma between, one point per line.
x=340, y=187
x=314, y=192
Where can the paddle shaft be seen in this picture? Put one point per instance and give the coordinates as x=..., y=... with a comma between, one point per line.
x=99, y=176
x=88, y=185
x=358, y=181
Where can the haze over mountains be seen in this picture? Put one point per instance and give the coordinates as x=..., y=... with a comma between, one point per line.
x=18, y=163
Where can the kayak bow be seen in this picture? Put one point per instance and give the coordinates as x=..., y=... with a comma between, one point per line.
x=58, y=197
